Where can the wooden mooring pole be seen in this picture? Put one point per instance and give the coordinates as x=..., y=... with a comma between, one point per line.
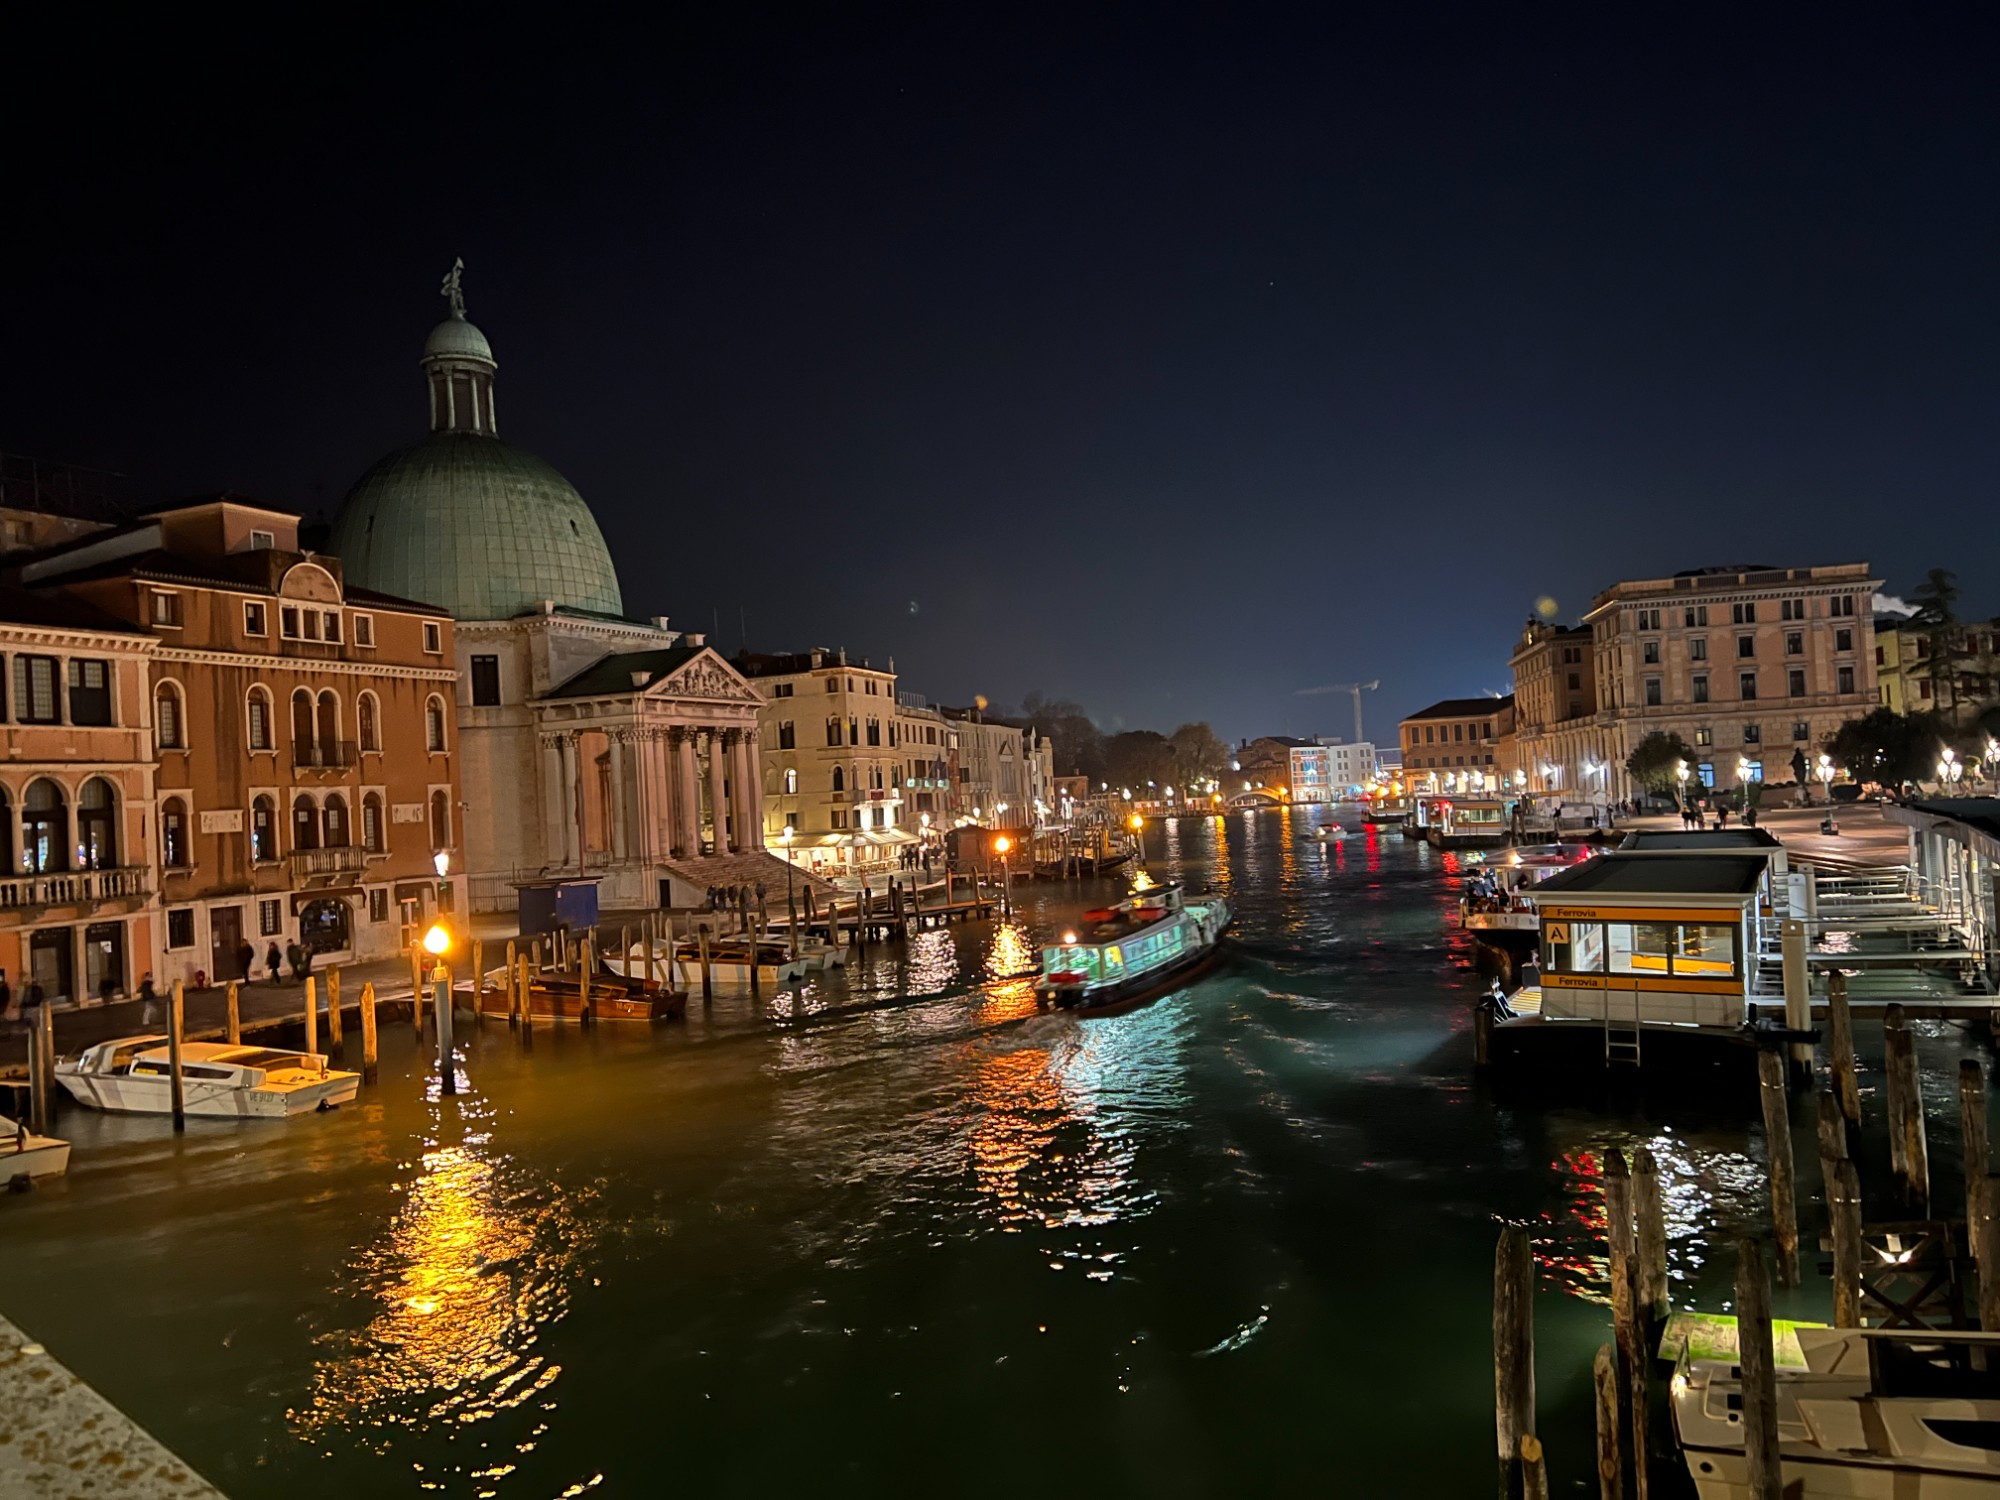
x=1908, y=1148
x=524, y=981
x=1972, y=1129
x=1840, y=1033
x=1623, y=1257
x=370, y=1054
x=1649, y=1206
x=417, y=990
x=312, y=1014
x=1843, y=1211
x=42, y=1071
x=1513, y=1351
x=478, y=983
x=1760, y=1377
x=235, y=1019
x=1778, y=1143
x=336, y=1034
x=1986, y=1246
x=707, y=970
x=176, y=1011
x=1610, y=1470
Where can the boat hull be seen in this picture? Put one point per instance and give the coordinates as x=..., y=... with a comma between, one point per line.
x=1728, y=1478
x=127, y=1094
x=43, y=1156
x=608, y=1003
x=1129, y=994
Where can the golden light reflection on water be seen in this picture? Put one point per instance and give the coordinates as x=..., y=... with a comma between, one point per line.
x=1012, y=951
x=471, y=1272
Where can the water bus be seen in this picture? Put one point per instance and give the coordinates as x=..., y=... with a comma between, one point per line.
x=1495, y=908
x=1120, y=955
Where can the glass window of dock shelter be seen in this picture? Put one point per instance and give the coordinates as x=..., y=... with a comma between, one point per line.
x=1682, y=949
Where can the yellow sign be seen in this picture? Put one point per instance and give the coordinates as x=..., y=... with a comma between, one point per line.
x=1713, y=915
x=1557, y=932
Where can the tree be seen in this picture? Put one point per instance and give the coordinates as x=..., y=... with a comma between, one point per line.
x=1656, y=760
x=1887, y=747
x=1198, y=754
x=1077, y=742
x=1136, y=757
x=1937, y=613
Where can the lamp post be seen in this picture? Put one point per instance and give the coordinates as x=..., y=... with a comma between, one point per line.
x=1139, y=835
x=1949, y=769
x=1001, y=846
x=437, y=943
x=1825, y=774
x=1743, y=781
x=1681, y=775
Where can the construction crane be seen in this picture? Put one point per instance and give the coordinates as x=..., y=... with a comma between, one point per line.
x=1356, y=688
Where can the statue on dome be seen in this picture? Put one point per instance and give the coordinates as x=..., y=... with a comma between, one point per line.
x=451, y=290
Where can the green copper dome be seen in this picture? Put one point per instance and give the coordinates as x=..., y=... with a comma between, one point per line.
x=463, y=521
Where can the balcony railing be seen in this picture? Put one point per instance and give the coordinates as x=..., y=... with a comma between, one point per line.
x=325, y=756
x=71, y=887
x=342, y=860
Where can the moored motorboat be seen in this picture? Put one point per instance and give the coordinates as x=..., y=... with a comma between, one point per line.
x=729, y=963
x=613, y=997
x=1122, y=954
x=1327, y=833
x=24, y=1156
x=1886, y=1412
x=134, y=1075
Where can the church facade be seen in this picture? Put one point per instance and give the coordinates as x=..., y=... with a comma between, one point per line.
x=591, y=744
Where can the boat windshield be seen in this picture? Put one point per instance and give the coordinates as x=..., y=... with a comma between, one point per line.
x=262, y=1057
x=1945, y=1369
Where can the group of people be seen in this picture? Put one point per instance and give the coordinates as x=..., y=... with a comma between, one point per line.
x=1691, y=817
x=915, y=857
x=741, y=899
x=1485, y=892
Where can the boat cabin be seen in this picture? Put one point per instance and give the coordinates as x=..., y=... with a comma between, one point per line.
x=1775, y=896
x=1463, y=822
x=1663, y=940
x=239, y=1066
x=1112, y=942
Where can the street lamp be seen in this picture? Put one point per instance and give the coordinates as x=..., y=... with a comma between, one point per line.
x=1000, y=846
x=1949, y=769
x=791, y=911
x=1825, y=774
x=1681, y=775
x=1139, y=834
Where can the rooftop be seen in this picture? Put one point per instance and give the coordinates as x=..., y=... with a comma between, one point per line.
x=1981, y=813
x=1625, y=874
x=1721, y=840
x=56, y=611
x=1462, y=708
x=611, y=677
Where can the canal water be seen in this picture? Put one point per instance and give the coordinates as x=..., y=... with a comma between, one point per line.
x=898, y=1232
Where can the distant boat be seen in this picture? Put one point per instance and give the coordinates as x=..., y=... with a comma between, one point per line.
x=25, y=1156
x=133, y=1075
x=1329, y=833
x=1131, y=952
x=729, y=963
x=613, y=997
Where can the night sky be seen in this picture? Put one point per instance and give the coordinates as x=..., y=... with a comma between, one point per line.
x=1169, y=360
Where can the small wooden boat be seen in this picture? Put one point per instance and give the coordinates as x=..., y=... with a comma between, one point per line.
x=1883, y=1412
x=1081, y=865
x=559, y=997
x=1128, y=953
x=134, y=1075
x=729, y=963
x=25, y=1156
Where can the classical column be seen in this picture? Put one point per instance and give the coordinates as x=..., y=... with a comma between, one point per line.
x=555, y=830
x=718, y=793
x=687, y=794
x=615, y=814
x=753, y=788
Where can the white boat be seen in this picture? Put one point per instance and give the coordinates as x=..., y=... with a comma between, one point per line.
x=1330, y=833
x=133, y=1075
x=1894, y=1413
x=729, y=963
x=25, y=1156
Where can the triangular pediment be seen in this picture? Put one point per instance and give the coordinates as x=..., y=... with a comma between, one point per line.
x=709, y=677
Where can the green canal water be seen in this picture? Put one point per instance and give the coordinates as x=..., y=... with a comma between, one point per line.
x=898, y=1233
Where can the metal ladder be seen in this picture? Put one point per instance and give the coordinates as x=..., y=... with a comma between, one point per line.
x=1621, y=1042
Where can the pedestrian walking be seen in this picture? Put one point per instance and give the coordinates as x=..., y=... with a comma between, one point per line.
x=246, y=960
x=295, y=958
x=274, y=960
x=149, y=1001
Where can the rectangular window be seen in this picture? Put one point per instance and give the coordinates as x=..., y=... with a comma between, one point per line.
x=1458, y=733
x=781, y=690
x=1795, y=682
x=433, y=637
x=1753, y=734
x=1707, y=952
x=1639, y=947
x=1842, y=606
x=853, y=730
x=364, y=630
x=1879, y=659
x=1844, y=680
x=310, y=620
x=1582, y=954
x=874, y=731
x=378, y=904
x=89, y=691
x=833, y=731
x=166, y=608
x=833, y=685
x=1698, y=648
x=1743, y=614
x=1649, y=653
x=1699, y=682
x=1795, y=643
x=1801, y=730
x=330, y=619
x=1575, y=681
x=180, y=928
x=288, y=622
x=262, y=541
x=35, y=700
x=254, y=622
x=1843, y=640
x=270, y=918
x=839, y=817
x=1704, y=735
x=787, y=738
x=1924, y=688
x=1746, y=686
x=1696, y=614
x=485, y=682
x=1652, y=692
x=1746, y=646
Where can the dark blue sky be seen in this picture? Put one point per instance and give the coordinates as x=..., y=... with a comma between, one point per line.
x=1170, y=360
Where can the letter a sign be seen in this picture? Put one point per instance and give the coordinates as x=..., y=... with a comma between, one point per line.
x=1557, y=932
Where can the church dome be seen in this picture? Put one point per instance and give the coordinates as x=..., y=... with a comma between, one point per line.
x=483, y=530
x=462, y=520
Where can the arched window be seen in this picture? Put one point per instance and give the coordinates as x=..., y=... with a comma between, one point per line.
x=434, y=726
x=329, y=729
x=305, y=823
x=336, y=821
x=174, y=851
x=264, y=831
x=839, y=779
x=169, y=723
x=302, y=729
x=371, y=823
x=440, y=820
x=258, y=719
x=791, y=781
x=44, y=828
x=97, y=825
x=368, y=722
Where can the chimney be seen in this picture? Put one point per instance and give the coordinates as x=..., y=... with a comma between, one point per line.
x=640, y=679
x=695, y=638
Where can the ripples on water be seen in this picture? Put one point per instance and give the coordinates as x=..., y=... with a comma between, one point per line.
x=896, y=1222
